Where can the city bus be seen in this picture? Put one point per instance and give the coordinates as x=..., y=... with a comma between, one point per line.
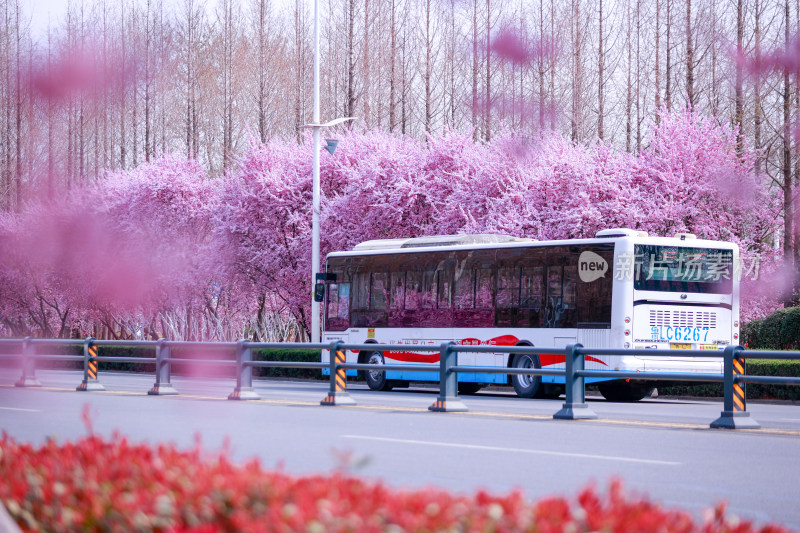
x=621, y=289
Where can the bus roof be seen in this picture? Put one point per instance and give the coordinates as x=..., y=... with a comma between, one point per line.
x=489, y=241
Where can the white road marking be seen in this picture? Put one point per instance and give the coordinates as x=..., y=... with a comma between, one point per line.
x=514, y=450
x=20, y=409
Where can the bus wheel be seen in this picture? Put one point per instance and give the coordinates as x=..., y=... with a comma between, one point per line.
x=376, y=379
x=620, y=391
x=526, y=385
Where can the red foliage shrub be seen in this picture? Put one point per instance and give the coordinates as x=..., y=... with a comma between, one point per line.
x=96, y=484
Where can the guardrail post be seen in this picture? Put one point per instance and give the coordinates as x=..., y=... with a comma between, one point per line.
x=575, y=407
x=448, y=400
x=28, y=377
x=734, y=415
x=90, y=381
x=162, y=386
x=338, y=395
x=244, y=373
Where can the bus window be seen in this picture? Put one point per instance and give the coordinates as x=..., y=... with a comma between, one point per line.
x=337, y=310
x=413, y=290
x=484, y=288
x=569, y=298
x=508, y=282
x=554, y=306
x=532, y=287
x=428, y=290
x=444, y=286
x=398, y=288
x=465, y=289
x=378, y=291
x=361, y=290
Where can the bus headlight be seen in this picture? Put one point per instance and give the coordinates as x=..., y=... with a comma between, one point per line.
x=627, y=345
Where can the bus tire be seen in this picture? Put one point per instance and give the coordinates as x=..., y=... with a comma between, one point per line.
x=624, y=392
x=525, y=385
x=376, y=379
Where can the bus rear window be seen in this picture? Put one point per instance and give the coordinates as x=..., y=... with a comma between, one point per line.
x=681, y=269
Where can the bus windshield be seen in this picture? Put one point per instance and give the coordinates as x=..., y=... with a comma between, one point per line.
x=682, y=269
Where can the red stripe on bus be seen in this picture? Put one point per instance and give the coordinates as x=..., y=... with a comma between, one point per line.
x=547, y=359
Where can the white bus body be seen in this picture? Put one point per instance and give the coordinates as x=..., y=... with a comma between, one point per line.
x=622, y=289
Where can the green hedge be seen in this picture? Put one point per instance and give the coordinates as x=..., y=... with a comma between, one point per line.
x=308, y=356
x=778, y=331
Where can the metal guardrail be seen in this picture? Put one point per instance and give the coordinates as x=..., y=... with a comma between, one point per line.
x=733, y=416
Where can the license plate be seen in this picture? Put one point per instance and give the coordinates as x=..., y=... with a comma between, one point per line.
x=681, y=346
x=709, y=347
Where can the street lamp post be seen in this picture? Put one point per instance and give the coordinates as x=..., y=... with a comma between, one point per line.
x=315, y=201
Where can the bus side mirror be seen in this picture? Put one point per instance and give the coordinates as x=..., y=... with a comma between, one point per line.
x=319, y=292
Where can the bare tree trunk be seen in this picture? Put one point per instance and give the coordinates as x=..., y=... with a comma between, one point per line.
x=690, y=95
x=668, y=66
x=487, y=116
x=404, y=82
x=123, y=141
x=739, y=93
x=147, y=53
x=540, y=61
x=452, y=64
x=106, y=158
x=758, y=112
x=786, y=167
x=428, y=113
x=392, y=62
x=474, y=70
x=715, y=98
x=135, y=102
x=6, y=182
x=577, y=72
x=658, y=61
x=638, y=76
x=298, y=44
x=82, y=111
x=600, y=76
x=70, y=113
x=189, y=6
x=18, y=116
x=351, y=62
x=227, y=86
x=262, y=74
x=552, y=64
x=366, y=73
x=795, y=178
x=629, y=84
x=51, y=170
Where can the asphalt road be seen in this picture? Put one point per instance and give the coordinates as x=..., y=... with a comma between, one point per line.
x=659, y=447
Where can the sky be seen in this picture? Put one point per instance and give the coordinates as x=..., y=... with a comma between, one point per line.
x=40, y=11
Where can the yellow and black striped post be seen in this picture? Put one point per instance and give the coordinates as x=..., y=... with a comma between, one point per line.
x=90, y=381
x=734, y=415
x=338, y=395
x=739, y=396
